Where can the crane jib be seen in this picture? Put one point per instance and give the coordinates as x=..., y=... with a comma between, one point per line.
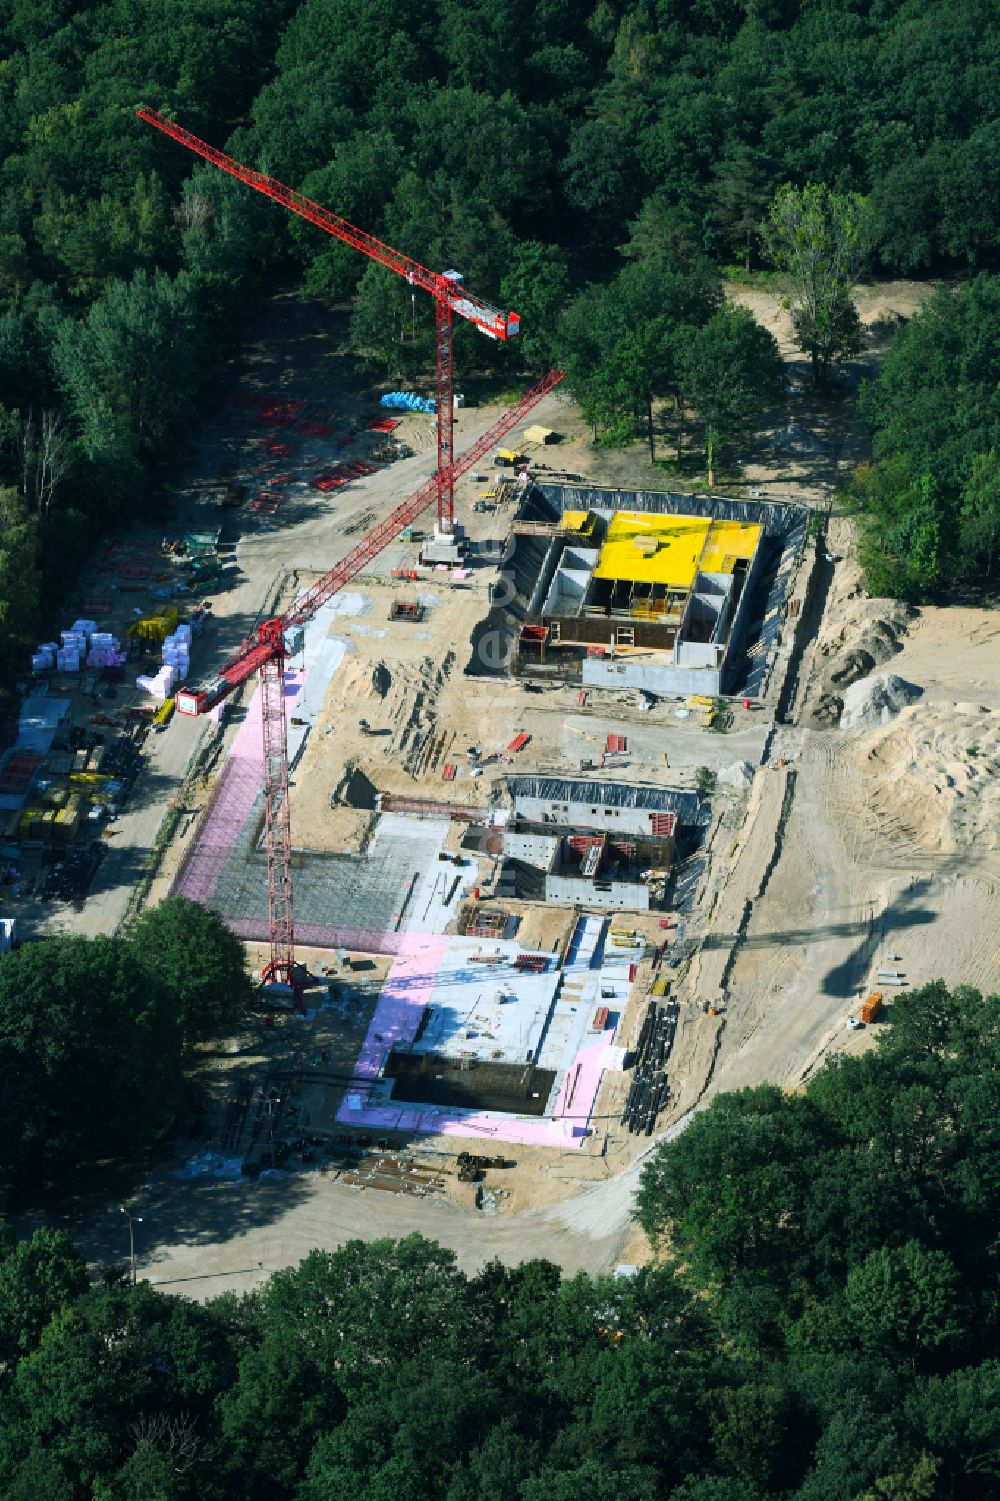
x=246, y=663
x=490, y=320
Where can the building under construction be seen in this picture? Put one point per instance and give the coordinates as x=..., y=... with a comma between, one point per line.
x=597, y=845
x=667, y=594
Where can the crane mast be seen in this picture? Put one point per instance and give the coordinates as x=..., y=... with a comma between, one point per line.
x=265, y=654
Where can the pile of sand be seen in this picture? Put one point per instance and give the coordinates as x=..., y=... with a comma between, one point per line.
x=875, y=701
x=357, y=680
x=738, y=775
x=936, y=769
x=858, y=635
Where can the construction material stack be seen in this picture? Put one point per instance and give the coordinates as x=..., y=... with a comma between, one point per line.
x=649, y=1091
x=871, y=1007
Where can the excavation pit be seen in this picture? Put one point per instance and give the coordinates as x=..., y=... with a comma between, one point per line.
x=469, y=1083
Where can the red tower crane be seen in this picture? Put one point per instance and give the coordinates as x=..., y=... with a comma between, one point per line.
x=446, y=287
x=266, y=653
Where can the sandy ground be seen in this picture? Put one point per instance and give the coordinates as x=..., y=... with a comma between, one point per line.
x=423, y=714
x=857, y=846
x=813, y=444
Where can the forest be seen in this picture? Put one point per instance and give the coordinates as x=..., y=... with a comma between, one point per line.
x=820, y=1323
x=601, y=168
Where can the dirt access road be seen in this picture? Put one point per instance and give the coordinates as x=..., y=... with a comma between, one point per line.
x=819, y=880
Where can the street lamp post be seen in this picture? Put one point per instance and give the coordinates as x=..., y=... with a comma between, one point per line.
x=137, y=1219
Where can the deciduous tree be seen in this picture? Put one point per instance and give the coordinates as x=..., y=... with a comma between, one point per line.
x=191, y=951
x=733, y=372
x=821, y=239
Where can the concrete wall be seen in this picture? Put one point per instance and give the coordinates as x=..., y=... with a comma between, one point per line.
x=661, y=680
x=698, y=654
x=567, y=592
x=545, y=575
x=740, y=619
x=533, y=849
x=632, y=896
x=581, y=816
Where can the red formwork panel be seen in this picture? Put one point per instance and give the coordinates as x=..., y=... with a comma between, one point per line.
x=16, y=775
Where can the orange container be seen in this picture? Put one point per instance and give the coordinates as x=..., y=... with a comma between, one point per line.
x=872, y=1007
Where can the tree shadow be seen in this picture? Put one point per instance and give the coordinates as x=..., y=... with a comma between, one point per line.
x=174, y=1211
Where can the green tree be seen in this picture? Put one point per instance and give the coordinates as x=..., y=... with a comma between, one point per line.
x=90, y=1049
x=19, y=584
x=705, y=780
x=902, y=534
x=731, y=1189
x=602, y=180
x=537, y=287
x=130, y=367
x=38, y=1278
x=357, y=185
x=750, y=1424
x=979, y=516
x=742, y=187
x=907, y=1299
x=733, y=372
x=820, y=239
x=593, y=1480
x=192, y=951
x=623, y=343
x=390, y=324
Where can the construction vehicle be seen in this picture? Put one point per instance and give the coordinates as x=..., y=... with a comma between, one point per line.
x=204, y=568
x=163, y=715
x=509, y=458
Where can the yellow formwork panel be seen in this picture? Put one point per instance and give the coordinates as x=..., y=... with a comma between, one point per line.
x=678, y=543
x=728, y=543
x=644, y=548
x=577, y=521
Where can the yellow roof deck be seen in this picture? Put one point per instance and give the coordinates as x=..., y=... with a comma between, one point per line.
x=644, y=548
x=578, y=521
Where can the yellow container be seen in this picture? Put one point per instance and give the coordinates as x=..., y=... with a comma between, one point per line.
x=155, y=628
x=66, y=823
